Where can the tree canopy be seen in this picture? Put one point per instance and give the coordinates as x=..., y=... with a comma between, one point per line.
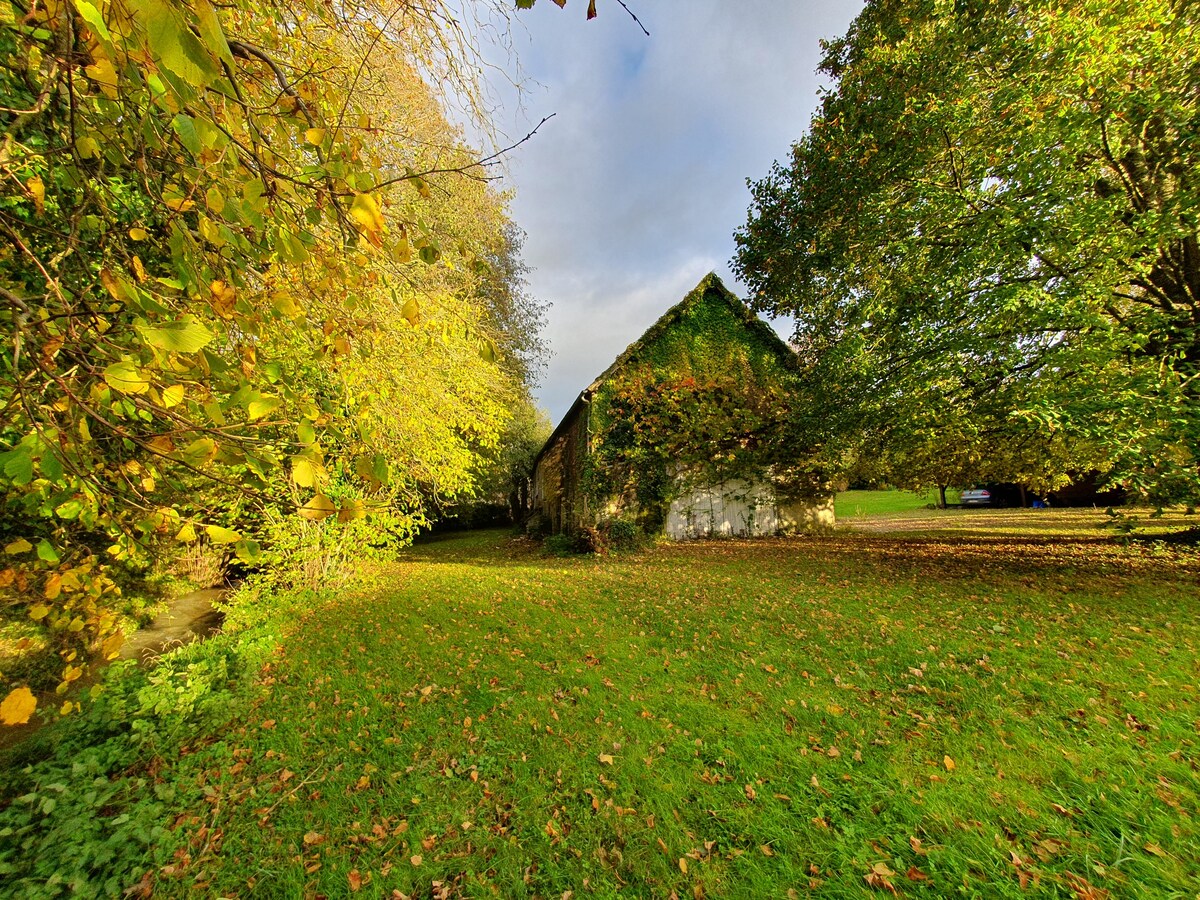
x=996, y=210
x=251, y=274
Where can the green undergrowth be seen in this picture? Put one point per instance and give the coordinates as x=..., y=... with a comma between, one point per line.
x=86, y=804
x=835, y=717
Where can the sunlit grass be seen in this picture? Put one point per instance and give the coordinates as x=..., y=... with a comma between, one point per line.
x=853, y=504
x=991, y=717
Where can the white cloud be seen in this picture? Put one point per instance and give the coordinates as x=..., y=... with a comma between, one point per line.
x=631, y=193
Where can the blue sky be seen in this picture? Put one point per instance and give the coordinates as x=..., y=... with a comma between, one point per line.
x=632, y=192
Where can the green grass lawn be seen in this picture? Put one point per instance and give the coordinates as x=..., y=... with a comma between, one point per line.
x=984, y=717
x=853, y=504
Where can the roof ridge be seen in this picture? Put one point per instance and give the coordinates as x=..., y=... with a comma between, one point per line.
x=712, y=281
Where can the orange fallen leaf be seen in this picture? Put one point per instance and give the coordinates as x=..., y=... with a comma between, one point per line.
x=880, y=877
x=355, y=879
x=948, y=763
x=915, y=874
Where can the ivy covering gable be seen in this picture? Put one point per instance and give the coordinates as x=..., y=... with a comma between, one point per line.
x=703, y=397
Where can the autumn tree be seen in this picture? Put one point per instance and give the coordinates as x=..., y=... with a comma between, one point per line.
x=1000, y=201
x=247, y=270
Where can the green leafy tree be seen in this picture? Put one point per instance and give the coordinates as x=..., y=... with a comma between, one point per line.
x=243, y=274
x=1000, y=201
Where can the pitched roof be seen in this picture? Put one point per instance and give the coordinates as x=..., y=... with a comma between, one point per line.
x=710, y=283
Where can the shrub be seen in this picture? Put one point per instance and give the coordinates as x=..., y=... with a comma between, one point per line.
x=561, y=545
x=621, y=534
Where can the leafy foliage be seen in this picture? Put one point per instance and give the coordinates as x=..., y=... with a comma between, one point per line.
x=995, y=214
x=248, y=273
x=703, y=397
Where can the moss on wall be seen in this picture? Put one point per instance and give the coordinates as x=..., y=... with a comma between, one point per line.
x=703, y=397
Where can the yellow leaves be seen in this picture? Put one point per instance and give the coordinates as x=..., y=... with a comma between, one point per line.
x=683, y=865
x=285, y=304
x=173, y=395
x=411, y=311
x=365, y=212
x=214, y=200
x=222, y=297
x=18, y=706
x=306, y=472
x=417, y=859
x=115, y=289
x=87, y=147
x=17, y=547
x=125, y=376
x=138, y=234
x=948, y=763
x=220, y=535
x=102, y=72
x=314, y=136
x=606, y=759
x=317, y=508
x=111, y=648
x=37, y=190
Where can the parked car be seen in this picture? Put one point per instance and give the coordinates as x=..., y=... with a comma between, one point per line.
x=975, y=497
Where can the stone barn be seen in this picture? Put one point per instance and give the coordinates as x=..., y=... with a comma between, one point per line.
x=685, y=433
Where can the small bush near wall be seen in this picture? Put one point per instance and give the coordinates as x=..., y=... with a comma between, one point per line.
x=621, y=534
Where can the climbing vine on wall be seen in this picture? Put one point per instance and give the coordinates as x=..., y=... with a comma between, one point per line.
x=705, y=396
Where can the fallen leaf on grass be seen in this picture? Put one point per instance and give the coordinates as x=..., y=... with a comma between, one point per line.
x=948, y=763
x=606, y=759
x=880, y=877
x=417, y=860
x=766, y=850
x=355, y=879
x=313, y=838
x=1083, y=889
x=1154, y=848
x=915, y=874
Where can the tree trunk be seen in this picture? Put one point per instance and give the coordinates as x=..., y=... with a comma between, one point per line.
x=941, y=496
x=1023, y=501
